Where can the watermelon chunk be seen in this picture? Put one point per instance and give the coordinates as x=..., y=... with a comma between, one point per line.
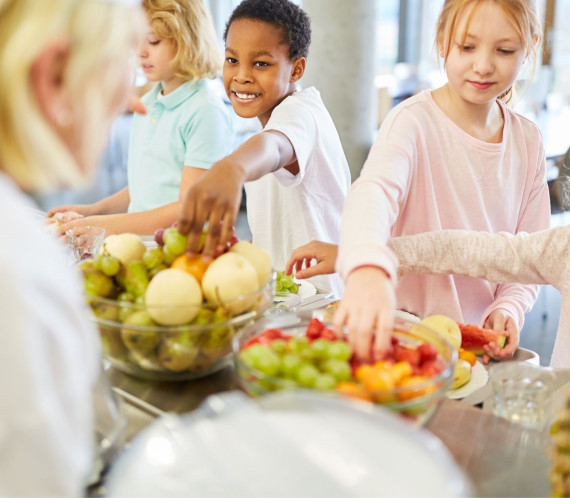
x=473, y=338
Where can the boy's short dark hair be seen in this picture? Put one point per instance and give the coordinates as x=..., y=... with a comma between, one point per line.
x=284, y=14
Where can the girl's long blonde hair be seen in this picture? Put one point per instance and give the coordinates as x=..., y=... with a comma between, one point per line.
x=102, y=36
x=189, y=25
x=521, y=13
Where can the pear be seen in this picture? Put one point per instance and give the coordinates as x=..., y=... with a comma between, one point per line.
x=173, y=297
x=125, y=247
x=258, y=257
x=231, y=281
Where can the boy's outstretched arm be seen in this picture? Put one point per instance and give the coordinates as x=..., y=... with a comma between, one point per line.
x=215, y=198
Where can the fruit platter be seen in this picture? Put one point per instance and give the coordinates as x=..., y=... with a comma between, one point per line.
x=164, y=315
x=469, y=373
x=299, y=351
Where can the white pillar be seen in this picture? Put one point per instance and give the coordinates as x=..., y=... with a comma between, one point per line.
x=341, y=66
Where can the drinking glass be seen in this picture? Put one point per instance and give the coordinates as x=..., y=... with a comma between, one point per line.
x=84, y=241
x=521, y=393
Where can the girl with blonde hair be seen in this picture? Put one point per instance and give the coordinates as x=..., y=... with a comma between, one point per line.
x=186, y=129
x=57, y=57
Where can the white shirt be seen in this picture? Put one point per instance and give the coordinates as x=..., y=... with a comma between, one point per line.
x=49, y=360
x=286, y=211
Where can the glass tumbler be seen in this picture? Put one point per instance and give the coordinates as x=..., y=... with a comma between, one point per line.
x=84, y=241
x=521, y=393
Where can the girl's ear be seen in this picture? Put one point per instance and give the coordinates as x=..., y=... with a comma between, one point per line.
x=298, y=69
x=47, y=82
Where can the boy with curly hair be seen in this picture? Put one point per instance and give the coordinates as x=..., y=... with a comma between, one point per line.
x=295, y=172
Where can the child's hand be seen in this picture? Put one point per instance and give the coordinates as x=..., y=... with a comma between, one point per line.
x=64, y=214
x=213, y=199
x=324, y=254
x=498, y=320
x=367, y=309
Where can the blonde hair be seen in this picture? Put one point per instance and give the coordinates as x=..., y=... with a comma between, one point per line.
x=189, y=25
x=521, y=13
x=101, y=36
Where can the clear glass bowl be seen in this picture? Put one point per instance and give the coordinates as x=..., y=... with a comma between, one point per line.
x=183, y=352
x=417, y=402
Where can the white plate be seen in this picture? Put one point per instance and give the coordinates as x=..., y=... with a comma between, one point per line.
x=306, y=289
x=285, y=444
x=479, y=377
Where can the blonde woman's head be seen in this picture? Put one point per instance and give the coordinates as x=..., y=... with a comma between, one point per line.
x=66, y=76
x=521, y=14
x=188, y=25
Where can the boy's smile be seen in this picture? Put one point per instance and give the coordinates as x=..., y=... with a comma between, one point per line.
x=258, y=73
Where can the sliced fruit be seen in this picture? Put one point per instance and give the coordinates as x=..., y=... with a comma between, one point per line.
x=473, y=338
x=446, y=326
x=461, y=374
x=468, y=356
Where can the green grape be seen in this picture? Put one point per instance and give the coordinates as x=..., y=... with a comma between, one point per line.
x=153, y=257
x=339, y=350
x=153, y=271
x=174, y=241
x=167, y=257
x=339, y=369
x=126, y=297
x=298, y=344
x=97, y=261
x=110, y=265
x=285, y=283
x=320, y=348
x=307, y=375
x=325, y=382
x=98, y=284
x=268, y=363
x=136, y=278
x=278, y=346
x=290, y=364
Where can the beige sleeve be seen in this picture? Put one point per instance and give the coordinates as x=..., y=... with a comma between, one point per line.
x=537, y=258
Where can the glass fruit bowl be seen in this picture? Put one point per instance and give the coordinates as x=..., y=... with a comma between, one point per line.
x=136, y=345
x=403, y=383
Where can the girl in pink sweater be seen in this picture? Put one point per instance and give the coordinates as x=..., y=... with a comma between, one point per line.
x=453, y=158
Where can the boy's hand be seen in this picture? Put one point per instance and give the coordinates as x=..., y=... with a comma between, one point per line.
x=213, y=199
x=367, y=309
x=498, y=320
x=324, y=254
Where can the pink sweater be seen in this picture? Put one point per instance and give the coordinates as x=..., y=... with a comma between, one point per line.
x=537, y=258
x=424, y=173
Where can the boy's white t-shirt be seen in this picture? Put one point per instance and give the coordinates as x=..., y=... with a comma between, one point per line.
x=286, y=211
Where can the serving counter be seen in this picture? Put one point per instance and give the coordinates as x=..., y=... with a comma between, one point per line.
x=501, y=458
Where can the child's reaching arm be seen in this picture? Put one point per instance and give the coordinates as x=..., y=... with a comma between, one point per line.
x=216, y=197
x=537, y=258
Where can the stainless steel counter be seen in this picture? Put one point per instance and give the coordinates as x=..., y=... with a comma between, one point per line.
x=501, y=458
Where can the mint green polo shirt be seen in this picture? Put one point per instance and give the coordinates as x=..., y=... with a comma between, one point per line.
x=189, y=127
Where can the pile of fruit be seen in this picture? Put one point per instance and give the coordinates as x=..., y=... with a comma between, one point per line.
x=318, y=359
x=285, y=284
x=468, y=340
x=161, y=310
